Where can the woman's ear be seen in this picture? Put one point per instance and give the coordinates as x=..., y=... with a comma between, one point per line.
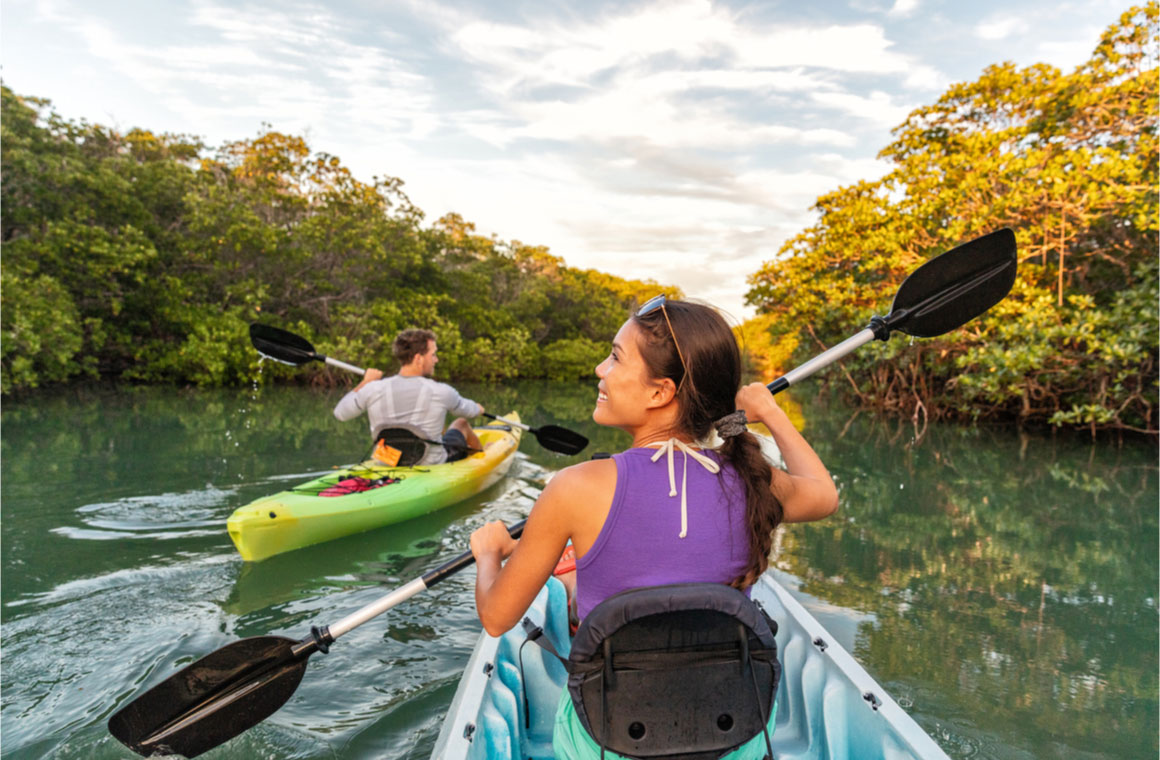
x=663, y=391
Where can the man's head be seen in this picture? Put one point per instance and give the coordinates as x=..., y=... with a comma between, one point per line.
x=416, y=347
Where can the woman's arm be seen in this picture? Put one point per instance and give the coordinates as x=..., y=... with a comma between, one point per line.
x=504, y=591
x=805, y=488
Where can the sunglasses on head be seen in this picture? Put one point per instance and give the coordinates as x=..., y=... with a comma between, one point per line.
x=651, y=305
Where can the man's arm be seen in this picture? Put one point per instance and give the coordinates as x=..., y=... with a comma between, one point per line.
x=350, y=406
x=369, y=376
x=462, y=407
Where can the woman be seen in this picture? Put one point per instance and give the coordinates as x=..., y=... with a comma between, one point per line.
x=643, y=518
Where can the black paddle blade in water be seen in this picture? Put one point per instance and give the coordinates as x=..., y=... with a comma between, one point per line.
x=952, y=289
x=214, y=699
x=560, y=440
x=280, y=345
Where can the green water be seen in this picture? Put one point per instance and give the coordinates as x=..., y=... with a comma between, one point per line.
x=1002, y=587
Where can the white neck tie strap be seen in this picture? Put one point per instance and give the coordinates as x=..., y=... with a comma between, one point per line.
x=706, y=462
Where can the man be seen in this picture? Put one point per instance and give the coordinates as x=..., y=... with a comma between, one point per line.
x=411, y=399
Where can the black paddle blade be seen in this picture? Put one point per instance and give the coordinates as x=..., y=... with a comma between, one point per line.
x=411, y=447
x=213, y=700
x=560, y=440
x=952, y=289
x=280, y=345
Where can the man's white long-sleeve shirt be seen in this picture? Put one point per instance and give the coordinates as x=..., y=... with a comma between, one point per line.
x=417, y=402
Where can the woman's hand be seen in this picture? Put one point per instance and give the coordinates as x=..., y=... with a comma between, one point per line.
x=492, y=541
x=759, y=405
x=805, y=488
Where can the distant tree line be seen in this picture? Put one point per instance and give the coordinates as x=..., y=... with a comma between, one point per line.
x=143, y=257
x=1069, y=161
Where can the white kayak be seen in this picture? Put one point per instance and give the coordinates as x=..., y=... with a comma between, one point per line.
x=828, y=706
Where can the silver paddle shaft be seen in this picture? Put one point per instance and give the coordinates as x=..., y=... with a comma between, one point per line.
x=824, y=359
x=506, y=421
x=374, y=609
x=344, y=365
x=420, y=584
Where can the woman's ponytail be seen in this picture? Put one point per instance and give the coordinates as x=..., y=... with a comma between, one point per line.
x=763, y=510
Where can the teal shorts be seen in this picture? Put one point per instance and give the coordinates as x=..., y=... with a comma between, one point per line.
x=570, y=740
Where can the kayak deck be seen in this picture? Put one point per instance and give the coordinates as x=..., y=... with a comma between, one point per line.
x=301, y=517
x=828, y=706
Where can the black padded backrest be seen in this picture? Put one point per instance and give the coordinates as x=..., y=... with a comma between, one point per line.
x=410, y=443
x=686, y=671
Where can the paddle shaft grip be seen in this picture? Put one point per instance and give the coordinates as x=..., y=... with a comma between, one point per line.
x=403, y=593
x=463, y=560
x=509, y=422
x=341, y=364
x=822, y=360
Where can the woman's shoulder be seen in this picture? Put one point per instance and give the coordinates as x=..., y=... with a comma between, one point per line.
x=592, y=471
x=573, y=495
x=582, y=481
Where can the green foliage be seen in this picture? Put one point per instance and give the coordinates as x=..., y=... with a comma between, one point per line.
x=572, y=359
x=40, y=331
x=85, y=222
x=143, y=257
x=1070, y=162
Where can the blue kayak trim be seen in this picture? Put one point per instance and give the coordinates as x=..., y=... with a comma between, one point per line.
x=828, y=705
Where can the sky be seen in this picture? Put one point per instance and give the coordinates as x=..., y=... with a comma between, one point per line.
x=682, y=141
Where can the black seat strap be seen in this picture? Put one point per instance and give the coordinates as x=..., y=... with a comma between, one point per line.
x=535, y=635
x=757, y=705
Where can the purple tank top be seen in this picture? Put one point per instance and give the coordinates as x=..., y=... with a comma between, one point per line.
x=639, y=543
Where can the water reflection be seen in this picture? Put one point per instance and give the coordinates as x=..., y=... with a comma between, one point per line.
x=1010, y=578
x=1001, y=586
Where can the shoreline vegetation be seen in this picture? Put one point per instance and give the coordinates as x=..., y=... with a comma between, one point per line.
x=1069, y=162
x=141, y=257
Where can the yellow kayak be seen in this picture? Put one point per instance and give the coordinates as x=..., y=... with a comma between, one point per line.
x=304, y=515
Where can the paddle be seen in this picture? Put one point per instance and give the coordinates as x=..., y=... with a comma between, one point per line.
x=288, y=348
x=551, y=437
x=240, y=685
x=944, y=293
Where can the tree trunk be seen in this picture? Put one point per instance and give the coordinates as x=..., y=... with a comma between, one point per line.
x=1061, y=239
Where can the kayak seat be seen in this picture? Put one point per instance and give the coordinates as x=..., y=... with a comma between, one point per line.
x=411, y=445
x=685, y=671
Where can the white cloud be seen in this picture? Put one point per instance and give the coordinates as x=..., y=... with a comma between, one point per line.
x=1067, y=54
x=1000, y=28
x=903, y=7
x=743, y=80
x=921, y=77
x=877, y=107
x=688, y=31
x=632, y=113
x=716, y=90
x=264, y=65
x=847, y=171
